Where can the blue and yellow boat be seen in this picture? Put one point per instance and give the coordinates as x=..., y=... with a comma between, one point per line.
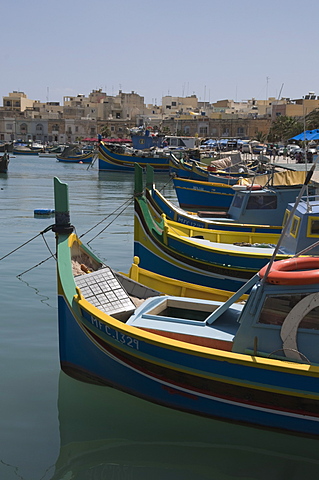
x=255, y=363
x=209, y=196
x=116, y=158
x=258, y=211
x=75, y=154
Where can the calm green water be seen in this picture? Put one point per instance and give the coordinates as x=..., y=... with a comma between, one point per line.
x=53, y=427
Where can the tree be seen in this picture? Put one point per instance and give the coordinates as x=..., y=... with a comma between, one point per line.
x=312, y=119
x=284, y=128
x=105, y=131
x=260, y=137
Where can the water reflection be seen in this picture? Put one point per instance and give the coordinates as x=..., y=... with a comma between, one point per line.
x=106, y=434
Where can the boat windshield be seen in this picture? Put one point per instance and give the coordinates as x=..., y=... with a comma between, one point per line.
x=276, y=308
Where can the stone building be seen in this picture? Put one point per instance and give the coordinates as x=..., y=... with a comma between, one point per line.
x=228, y=127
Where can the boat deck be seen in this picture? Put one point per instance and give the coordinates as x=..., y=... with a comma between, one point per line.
x=182, y=318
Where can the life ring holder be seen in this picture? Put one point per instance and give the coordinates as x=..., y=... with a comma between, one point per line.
x=293, y=271
x=291, y=323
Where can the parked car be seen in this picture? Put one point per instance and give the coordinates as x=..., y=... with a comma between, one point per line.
x=246, y=148
x=257, y=149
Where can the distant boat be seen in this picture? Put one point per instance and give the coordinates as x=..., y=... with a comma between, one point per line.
x=4, y=162
x=73, y=154
x=6, y=147
x=24, y=150
x=52, y=152
x=119, y=158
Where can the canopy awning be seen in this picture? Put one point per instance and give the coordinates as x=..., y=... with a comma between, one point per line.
x=108, y=140
x=307, y=135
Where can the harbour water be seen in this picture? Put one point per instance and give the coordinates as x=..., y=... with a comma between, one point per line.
x=53, y=427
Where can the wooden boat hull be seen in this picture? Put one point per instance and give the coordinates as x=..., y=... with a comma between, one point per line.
x=177, y=288
x=141, y=364
x=194, y=194
x=17, y=151
x=4, y=162
x=111, y=161
x=76, y=159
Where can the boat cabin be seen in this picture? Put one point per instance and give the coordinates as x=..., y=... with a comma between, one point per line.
x=304, y=227
x=248, y=205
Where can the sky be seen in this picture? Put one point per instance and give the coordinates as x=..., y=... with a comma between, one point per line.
x=216, y=50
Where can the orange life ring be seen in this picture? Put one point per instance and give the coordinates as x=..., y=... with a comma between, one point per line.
x=254, y=187
x=293, y=271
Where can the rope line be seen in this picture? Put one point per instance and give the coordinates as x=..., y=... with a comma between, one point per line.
x=28, y=241
x=109, y=215
x=37, y=265
x=110, y=223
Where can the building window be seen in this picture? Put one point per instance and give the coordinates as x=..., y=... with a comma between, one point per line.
x=9, y=126
x=112, y=129
x=39, y=127
x=24, y=128
x=203, y=131
x=186, y=130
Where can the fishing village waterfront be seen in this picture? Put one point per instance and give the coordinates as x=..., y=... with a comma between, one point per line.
x=54, y=427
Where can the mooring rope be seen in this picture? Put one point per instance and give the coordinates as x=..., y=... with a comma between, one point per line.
x=127, y=203
x=110, y=223
x=25, y=243
x=170, y=180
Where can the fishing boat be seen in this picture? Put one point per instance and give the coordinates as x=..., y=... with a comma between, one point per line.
x=52, y=152
x=254, y=209
x=254, y=363
x=4, y=162
x=209, y=196
x=216, y=258
x=6, y=147
x=227, y=169
x=74, y=154
x=26, y=150
x=120, y=158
